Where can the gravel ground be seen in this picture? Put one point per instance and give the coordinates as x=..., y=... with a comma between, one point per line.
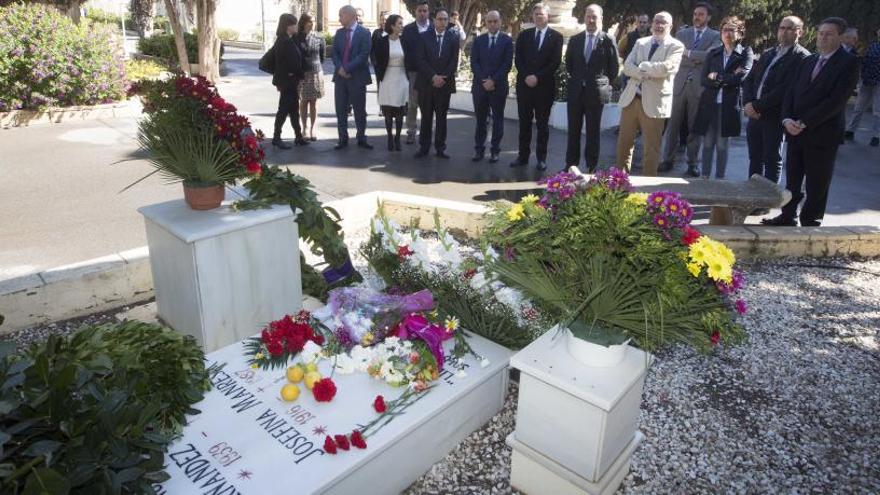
x=793, y=410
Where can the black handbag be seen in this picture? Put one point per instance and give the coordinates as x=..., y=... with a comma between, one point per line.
x=267, y=61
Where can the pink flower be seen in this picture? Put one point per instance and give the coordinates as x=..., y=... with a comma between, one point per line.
x=715, y=337
x=740, y=306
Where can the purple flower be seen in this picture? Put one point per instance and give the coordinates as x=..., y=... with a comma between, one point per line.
x=740, y=306
x=613, y=179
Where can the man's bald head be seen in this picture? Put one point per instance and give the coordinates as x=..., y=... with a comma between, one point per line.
x=493, y=21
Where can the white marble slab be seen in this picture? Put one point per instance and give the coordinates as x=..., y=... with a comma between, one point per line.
x=597, y=408
x=247, y=440
x=221, y=275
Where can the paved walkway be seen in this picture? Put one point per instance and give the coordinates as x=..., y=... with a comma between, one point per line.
x=60, y=200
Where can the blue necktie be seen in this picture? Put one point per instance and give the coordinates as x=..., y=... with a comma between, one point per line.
x=589, y=51
x=654, y=46
x=439, y=45
x=697, y=39
x=492, y=42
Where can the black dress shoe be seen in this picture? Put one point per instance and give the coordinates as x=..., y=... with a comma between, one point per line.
x=849, y=135
x=780, y=221
x=365, y=145
x=692, y=172
x=340, y=145
x=665, y=166
x=493, y=158
x=301, y=142
x=478, y=157
x=280, y=144
x=421, y=154
x=812, y=223
x=542, y=166
x=443, y=155
x=518, y=163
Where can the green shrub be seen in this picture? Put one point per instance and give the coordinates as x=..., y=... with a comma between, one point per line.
x=162, y=46
x=98, y=16
x=47, y=60
x=227, y=34
x=94, y=412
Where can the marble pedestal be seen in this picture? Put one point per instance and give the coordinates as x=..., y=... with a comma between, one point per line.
x=247, y=440
x=220, y=275
x=580, y=417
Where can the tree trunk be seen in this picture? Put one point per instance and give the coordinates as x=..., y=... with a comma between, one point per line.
x=209, y=43
x=177, y=28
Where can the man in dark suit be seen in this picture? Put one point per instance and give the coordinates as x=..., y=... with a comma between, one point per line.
x=591, y=60
x=436, y=81
x=411, y=39
x=538, y=55
x=491, y=59
x=642, y=30
x=813, y=117
x=351, y=51
x=763, y=92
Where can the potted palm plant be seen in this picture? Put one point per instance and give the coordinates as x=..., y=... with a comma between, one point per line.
x=195, y=137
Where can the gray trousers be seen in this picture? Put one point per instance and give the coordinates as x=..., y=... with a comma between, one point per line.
x=866, y=95
x=684, y=106
x=412, y=112
x=712, y=142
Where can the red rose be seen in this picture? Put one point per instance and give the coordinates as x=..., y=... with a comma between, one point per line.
x=275, y=348
x=324, y=390
x=379, y=404
x=690, y=236
x=358, y=440
x=329, y=445
x=341, y=442
x=715, y=338
x=254, y=168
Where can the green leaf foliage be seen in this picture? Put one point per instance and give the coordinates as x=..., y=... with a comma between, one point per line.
x=93, y=413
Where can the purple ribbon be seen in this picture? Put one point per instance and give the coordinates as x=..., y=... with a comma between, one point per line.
x=335, y=274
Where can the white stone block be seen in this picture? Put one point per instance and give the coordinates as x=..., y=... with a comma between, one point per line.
x=247, y=440
x=535, y=474
x=220, y=275
x=581, y=417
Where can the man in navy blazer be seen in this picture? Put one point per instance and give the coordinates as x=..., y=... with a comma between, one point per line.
x=813, y=118
x=411, y=39
x=436, y=81
x=491, y=59
x=351, y=57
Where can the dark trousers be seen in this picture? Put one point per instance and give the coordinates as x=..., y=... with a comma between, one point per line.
x=533, y=104
x=348, y=94
x=765, y=148
x=433, y=102
x=577, y=112
x=483, y=102
x=288, y=107
x=813, y=165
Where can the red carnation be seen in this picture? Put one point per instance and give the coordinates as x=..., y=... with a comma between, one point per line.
x=275, y=348
x=318, y=339
x=341, y=442
x=715, y=338
x=329, y=445
x=254, y=167
x=379, y=404
x=358, y=440
x=690, y=236
x=403, y=252
x=324, y=390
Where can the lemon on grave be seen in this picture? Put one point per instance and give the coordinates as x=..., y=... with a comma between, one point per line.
x=312, y=367
x=312, y=377
x=295, y=374
x=289, y=392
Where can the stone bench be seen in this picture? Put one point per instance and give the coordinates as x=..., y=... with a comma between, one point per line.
x=731, y=201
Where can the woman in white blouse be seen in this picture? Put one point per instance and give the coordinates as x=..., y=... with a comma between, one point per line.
x=391, y=73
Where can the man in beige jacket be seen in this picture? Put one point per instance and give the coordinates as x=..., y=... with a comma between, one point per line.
x=647, y=99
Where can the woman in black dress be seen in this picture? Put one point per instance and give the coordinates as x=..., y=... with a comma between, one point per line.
x=288, y=73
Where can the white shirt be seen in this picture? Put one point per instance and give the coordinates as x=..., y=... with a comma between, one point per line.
x=424, y=28
x=543, y=35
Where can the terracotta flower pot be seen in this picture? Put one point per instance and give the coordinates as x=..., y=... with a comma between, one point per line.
x=204, y=197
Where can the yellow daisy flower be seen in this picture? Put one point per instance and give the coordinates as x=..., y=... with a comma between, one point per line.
x=638, y=199
x=694, y=268
x=516, y=212
x=529, y=199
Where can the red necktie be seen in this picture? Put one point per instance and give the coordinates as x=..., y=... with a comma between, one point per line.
x=347, y=47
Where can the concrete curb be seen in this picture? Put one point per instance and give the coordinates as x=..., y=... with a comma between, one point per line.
x=25, y=118
x=124, y=278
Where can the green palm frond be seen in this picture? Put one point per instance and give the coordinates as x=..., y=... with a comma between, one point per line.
x=188, y=154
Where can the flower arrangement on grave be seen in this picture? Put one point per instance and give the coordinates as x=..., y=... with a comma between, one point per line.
x=196, y=137
x=456, y=273
x=614, y=266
